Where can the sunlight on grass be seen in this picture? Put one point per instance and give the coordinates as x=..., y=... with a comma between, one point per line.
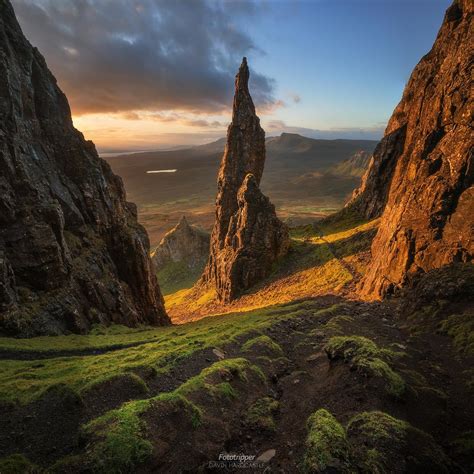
x=26, y=380
x=323, y=259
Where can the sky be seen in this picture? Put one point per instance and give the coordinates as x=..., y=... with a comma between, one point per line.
x=155, y=74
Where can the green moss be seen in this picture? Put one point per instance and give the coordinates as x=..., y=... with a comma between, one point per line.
x=326, y=443
x=461, y=328
x=124, y=445
x=260, y=414
x=176, y=276
x=209, y=379
x=17, y=464
x=176, y=399
x=130, y=379
x=348, y=347
x=463, y=446
x=121, y=433
x=395, y=385
x=336, y=324
x=378, y=425
x=368, y=358
x=67, y=464
x=263, y=344
x=379, y=441
x=156, y=349
x=225, y=389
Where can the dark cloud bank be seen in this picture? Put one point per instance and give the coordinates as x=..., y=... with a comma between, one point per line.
x=124, y=55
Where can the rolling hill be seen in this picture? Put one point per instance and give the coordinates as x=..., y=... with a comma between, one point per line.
x=299, y=177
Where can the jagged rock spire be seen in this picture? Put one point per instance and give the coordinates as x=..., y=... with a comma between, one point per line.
x=244, y=155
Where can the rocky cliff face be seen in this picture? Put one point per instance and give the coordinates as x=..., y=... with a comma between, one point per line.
x=71, y=251
x=422, y=172
x=183, y=243
x=247, y=237
x=370, y=198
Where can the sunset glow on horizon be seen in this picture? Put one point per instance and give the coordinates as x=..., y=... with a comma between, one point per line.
x=147, y=75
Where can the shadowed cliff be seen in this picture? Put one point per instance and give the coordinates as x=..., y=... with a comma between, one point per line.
x=71, y=251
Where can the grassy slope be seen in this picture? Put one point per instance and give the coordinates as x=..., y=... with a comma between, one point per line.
x=323, y=259
x=363, y=347
x=26, y=380
x=176, y=276
x=312, y=269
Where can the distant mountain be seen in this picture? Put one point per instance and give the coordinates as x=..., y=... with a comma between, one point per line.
x=320, y=152
x=163, y=198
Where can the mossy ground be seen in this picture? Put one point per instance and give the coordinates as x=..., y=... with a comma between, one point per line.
x=367, y=358
x=326, y=443
x=380, y=440
x=158, y=348
x=16, y=464
x=119, y=438
x=263, y=344
x=461, y=328
x=180, y=407
x=261, y=414
x=374, y=442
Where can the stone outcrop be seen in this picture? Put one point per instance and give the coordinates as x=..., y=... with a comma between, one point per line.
x=247, y=237
x=71, y=251
x=184, y=243
x=370, y=198
x=357, y=165
x=422, y=172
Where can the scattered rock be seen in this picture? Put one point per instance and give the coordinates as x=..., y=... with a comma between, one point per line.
x=267, y=456
x=184, y=243
x=218, y=353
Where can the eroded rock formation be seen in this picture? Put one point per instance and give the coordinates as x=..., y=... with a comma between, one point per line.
x=423, y=168
x=184, y=243
x=247, y=237
x=71, y=250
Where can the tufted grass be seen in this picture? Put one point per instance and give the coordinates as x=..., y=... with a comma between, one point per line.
x=24, y=381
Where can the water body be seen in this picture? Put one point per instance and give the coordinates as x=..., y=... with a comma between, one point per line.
x=161, y=171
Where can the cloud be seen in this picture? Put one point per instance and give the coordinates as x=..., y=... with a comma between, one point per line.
x=127, y=55
x=183, y=119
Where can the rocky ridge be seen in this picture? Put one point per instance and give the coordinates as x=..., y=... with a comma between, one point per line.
x=71, y=251
x=184, y=243
x=247, y=236
x=420, y=179
x=356, y=165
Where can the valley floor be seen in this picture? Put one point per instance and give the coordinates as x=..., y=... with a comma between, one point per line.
x=299, y=374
